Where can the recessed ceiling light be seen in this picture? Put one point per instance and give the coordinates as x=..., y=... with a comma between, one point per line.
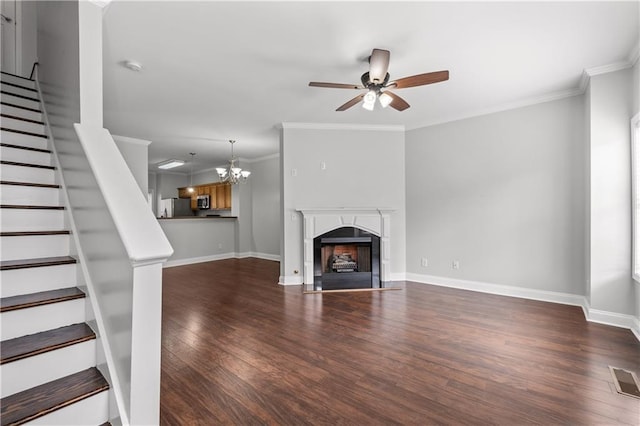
x=133, y=65
x=170, y=164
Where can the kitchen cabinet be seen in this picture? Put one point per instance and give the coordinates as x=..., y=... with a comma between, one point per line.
x=219, y=195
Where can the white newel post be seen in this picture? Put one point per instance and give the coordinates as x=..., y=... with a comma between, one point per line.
x=146, y=343
x=322, y=220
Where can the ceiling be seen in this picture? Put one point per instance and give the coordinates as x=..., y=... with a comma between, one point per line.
x=214, y=71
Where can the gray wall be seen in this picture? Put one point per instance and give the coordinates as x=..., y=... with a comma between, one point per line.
x=136, y=155
x=611, y=108
x=503, y=194
x=364, y=168
x=265, y=190
x=195, y=238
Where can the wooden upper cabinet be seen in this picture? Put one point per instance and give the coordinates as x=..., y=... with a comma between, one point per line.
x=219, y=195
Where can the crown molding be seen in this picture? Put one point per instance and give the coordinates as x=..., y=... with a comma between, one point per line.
x=263, y=158
x=341, y=126
x=616, y=66
x=633, y=56
x=127, y=139
x=554, y=96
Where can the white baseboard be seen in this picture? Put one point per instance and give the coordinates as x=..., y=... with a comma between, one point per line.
x=591, y=315
x=214, y=257
x=290, y=280
x=201, y=259
x=265, y=256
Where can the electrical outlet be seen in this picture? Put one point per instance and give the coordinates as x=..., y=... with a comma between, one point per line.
x=323, y=165
x=220, y=245
x=294, y=172
x=455, y=264
x=423, y=262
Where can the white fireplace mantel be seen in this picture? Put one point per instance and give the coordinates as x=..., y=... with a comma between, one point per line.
x=318, y=221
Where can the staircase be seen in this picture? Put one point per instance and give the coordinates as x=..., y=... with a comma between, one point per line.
x=48, y=352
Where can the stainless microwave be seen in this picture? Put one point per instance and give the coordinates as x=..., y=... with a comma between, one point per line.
x=203, y=202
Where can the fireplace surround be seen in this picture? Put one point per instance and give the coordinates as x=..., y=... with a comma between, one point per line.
x=369, y=223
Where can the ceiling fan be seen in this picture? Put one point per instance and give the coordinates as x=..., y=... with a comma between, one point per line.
x=376, y=81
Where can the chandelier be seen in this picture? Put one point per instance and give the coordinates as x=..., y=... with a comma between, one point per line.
x=232, y=173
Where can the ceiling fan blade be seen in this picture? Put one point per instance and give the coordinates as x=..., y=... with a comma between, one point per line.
x=350, y=103
x=420, y=79
x=378, y=65
x=397, y=102
x=335, y=85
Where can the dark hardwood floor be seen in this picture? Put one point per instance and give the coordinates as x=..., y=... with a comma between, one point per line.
x=239, y=349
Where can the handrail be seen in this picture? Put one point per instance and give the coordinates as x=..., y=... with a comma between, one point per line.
x=33, y=70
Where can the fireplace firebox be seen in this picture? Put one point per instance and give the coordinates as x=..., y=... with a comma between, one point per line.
x=346, y=258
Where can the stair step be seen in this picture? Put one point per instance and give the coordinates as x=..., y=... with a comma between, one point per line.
x=32, y=233
x=36, y=263
x=15, y=163
x=49, y=397
x=22, y=124
x=18, y=99
x=16, y=282
x=29, y=195
x=28, y=156
x=35, y=185
x=27, y=148
x=30, y=207
x=14, y=220
x=45, y=341
x=7, y=77
x=31, y=98
x=18, y=86
x=15, y=108
x=38, y=299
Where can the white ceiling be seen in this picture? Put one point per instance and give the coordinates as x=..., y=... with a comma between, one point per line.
x=214, y=71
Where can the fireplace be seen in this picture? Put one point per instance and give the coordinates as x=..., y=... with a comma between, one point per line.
x=346, y=258
x=366, y=230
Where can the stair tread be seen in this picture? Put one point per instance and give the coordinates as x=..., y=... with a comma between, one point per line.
x=9, y=104
x=34, y=263
x=24, y=301
x=32, y=207
x=39, y=185
x=29, y=98
x=15, y=117
x=17, y=163
x=15, y=75
x=46, y=398
x=27, y=148
x=19, y=86
x=22, y=132
x=33, y=233
x=44, y=341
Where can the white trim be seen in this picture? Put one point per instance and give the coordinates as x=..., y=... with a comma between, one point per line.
x=635, y=199
x=342, y=126
x=592, y=315
x=398, y=276
x=499, y=289
x=223, y=256
x=263, y=158
x=290, y=280
x=200, y=259
x=634, y=54
x=605, y=69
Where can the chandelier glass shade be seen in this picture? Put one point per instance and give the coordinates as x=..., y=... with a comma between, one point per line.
x=232, y=173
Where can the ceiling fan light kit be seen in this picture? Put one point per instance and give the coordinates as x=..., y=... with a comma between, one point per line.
x=376, y=81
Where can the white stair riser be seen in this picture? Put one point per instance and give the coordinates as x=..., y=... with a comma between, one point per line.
x=17, y=100
x=29, y=195
x=17, y=80
x=33, y=280
x=20, y=112
x=33, y=246
x=27, y=174
x=24, y=126
x=25, y=156
x=40, y=318
x=16, y=220
x=23, y=140
x=39, y=369
x=21, y=90
x=89, y=411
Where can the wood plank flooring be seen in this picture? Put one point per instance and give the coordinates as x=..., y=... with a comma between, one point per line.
x=239, y=349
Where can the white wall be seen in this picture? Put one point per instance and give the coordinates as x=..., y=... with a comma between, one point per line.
x=503, y=194
x=611, y=108
x=136, y=154
x=364, y=168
